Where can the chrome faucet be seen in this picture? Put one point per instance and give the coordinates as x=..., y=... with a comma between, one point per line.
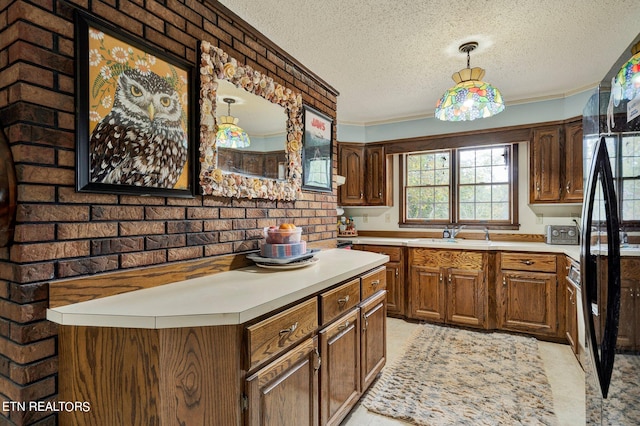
x=455, y=230
x=486, y=234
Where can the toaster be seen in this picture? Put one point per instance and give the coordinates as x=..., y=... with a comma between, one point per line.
x=562, y=234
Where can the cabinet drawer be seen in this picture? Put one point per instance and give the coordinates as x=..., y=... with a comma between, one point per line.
x=394, y=253
x=339, y=300
x=274, y=335
x=373, y=282
x=529, y=262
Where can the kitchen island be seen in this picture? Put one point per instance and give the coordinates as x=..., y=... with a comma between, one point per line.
x=238, y=346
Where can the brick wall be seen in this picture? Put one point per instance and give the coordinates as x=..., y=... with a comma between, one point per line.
x=60, y=233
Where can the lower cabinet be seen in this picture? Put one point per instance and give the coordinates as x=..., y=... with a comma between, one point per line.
x=320, y=354
x=374, y=338
x=396, y=281
x=448, y=286
x=527, y=294
x=340, y=373
x=285, y=392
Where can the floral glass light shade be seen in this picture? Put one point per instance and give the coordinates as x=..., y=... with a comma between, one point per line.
x=229, y=134
x=626, y=84
x=471, y=97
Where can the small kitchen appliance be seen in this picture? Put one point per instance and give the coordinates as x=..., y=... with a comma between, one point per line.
x=561, y=234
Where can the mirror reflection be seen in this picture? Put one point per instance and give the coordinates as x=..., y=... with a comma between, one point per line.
x=260, y=152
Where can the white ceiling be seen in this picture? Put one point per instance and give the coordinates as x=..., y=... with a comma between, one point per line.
x=392, y=59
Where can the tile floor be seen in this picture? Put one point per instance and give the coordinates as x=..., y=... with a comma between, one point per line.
x=563, y=370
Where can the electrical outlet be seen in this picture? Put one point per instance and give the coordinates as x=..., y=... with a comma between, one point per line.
x=365, y=218
x=387, y=218
x=539, y=218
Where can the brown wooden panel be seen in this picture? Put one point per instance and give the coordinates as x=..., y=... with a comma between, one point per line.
x=274, y=335
x=460, y=259
x=334, y=303
x=394, y=253
x=529, y=262
x=144, y=377
x=374, y=338
x=200, y=375
x=532, y=238
x=66, y=292
x=373, y=282
x=285, y=392
x=340, y=370
x=109, y=368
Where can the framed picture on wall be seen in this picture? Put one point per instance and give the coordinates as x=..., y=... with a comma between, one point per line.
x=135, y=115
x=317, y=151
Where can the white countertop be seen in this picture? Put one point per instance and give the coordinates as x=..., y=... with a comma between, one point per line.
x=462, y=244
x=226, y=298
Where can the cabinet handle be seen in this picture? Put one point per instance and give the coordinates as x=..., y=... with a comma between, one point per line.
x=568, y=187
x=361, y=195
x=343, y=301
x=397, y=272
x=365, y=322
x=343, y=326
x=380, y=194
x=318, y=359
x=440, y=276
x=289, y=330
x=528, y=262
x=504, y=281
x=538, y=187
x=375, y=283
x=449, y=279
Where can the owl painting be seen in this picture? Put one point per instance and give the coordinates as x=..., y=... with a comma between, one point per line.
x=141, y=141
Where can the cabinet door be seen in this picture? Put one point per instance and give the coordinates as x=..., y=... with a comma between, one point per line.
x=352, y=168
x=427, y=293
x=376, y=176
x=285, y=392
x=465, y=297
x=395, y=289
x=574, y=185
x=374, y=338
x=545, y=165
x=571, y=315
x=340, y=370
x=627, y=332
x=527, y=302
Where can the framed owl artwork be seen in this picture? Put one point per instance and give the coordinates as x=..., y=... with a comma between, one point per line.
x=135, y=114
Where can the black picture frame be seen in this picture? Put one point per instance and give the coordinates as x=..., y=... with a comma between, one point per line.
x=103, y=55
x=317, y=151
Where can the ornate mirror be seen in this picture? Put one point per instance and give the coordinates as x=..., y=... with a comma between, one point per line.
x=268, y=164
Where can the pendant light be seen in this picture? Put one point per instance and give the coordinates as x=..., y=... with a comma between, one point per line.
x=229, y=134
x=626, y=84
x=471, y=97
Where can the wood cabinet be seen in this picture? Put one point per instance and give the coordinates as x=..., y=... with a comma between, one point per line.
x=368, y=174
x=527, y=293
x=352, y=344
x=571, y=315
x=448, y=286
x=395, y=276
x=340, y=374
x=573, y=164
x=373, y=338
x=285, y=392
x=556, y=164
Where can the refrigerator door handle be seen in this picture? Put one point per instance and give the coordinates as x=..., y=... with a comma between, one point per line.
x=601, y=353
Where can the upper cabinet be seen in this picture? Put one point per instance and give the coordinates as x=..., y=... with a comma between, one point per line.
x=368, y=174
x=556, y=164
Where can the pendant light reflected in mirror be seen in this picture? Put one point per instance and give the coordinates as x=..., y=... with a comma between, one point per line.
x=230, y=135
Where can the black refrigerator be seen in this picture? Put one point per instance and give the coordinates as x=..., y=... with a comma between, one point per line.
x=610, y=245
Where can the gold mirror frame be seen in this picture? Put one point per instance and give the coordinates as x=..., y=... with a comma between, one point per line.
x=216, y=64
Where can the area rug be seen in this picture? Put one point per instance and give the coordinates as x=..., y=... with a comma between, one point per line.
x=450, y=376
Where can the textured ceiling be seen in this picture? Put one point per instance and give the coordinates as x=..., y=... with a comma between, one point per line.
x=392, y=59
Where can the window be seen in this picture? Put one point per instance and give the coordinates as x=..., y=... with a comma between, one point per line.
x=471, y=185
